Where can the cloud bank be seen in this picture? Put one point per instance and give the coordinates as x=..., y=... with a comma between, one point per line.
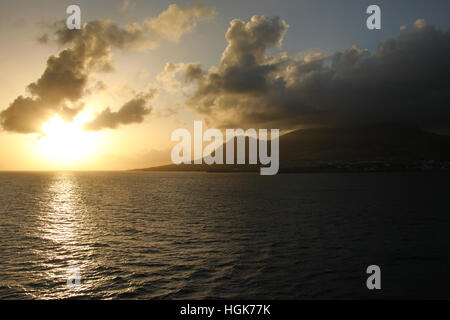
x=406, y=80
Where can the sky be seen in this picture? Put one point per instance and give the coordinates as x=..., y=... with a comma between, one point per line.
x=107, y=97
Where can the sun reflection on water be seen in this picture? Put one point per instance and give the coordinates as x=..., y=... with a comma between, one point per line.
x=62, y=225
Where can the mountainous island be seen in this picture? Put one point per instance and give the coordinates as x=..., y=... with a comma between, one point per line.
x=386, y=147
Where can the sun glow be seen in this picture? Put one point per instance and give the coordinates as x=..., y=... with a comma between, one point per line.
x=66, y=142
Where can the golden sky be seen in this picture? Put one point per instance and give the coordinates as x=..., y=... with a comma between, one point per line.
x=116, y=78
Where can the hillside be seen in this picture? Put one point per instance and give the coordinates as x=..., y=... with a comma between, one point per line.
x=369, y=148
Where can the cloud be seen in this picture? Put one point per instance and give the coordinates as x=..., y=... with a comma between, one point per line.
x=25, y=115
x=97, y=37
x=126, y=6
x=134, y=111
x=167, y=79
x=406, y=80
x=193, y=71
x=174, y=74
x=65, y=79
x=175, y=21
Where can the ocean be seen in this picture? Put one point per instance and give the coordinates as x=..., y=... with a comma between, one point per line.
x=188, y=235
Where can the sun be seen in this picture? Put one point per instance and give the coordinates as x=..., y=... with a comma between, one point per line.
x=66, y=142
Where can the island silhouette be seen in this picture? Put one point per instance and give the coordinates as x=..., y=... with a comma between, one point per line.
x=377, y=147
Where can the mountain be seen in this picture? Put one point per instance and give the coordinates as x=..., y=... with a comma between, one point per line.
x=365, y=148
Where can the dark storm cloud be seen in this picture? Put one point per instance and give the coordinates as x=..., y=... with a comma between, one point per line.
x=407, y=80
x=133, y=111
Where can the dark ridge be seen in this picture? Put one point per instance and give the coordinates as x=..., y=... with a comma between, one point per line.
x=382, y=147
